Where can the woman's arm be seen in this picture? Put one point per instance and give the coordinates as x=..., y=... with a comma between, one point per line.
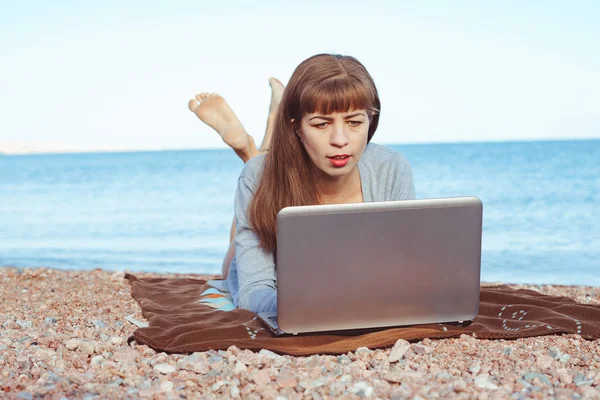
x=256, y=268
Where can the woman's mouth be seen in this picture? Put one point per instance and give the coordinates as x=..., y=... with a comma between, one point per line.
x=339, y=160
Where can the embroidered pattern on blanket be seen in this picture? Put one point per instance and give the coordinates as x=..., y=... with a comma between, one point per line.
x=216, y=299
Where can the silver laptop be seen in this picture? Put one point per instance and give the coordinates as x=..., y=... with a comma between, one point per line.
x=375, y=265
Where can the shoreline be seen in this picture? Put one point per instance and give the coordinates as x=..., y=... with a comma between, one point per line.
x=63, y=333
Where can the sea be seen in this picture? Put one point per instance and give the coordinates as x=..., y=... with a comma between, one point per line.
x=171, y=211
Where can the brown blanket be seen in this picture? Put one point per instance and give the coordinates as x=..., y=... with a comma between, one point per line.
x=188, y=315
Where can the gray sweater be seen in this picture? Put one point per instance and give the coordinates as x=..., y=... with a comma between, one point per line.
x=385, y=175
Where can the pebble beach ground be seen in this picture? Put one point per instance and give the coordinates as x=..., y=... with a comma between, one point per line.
x=63, y=334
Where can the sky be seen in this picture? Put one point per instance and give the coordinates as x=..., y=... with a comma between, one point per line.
x=98, y=76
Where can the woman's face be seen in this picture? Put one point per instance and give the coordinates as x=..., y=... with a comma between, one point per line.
x=335, y=142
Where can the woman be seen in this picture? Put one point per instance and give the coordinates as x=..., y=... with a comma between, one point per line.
x=319, y=153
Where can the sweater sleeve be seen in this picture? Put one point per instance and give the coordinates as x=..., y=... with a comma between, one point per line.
x=403, y=187
x=255, y=267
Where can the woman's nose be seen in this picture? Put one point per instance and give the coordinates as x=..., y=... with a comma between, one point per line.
x=339, y=136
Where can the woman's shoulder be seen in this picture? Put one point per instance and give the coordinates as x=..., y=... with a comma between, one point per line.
x=377, y=155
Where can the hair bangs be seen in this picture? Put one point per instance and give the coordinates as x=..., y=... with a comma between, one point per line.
x=337, y=95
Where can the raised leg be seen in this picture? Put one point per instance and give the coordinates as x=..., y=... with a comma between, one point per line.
x=213, y=110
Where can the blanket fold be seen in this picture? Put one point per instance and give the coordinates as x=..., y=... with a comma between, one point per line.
x=189, y=315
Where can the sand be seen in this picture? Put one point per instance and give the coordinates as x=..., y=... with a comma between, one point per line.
x=63, y=334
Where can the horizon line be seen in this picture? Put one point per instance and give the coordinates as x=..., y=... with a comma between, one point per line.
x=156, y=150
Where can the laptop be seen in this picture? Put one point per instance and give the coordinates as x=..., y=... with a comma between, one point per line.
x=379, y=264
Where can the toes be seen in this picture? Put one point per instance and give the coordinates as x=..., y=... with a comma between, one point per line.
x=201, y=96
x=192, y=105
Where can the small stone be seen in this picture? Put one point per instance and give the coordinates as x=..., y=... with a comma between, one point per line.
x=344, y=359
x=554, y=352
x=530, y=376
x=286, y=381
x=474, y=367
x=215, y=359
x=564, y=358
x=24, y=324
x=362, y=389
x=87, y=346
x=98, y=324
x=269, y=353
x=544, y=362
x=483, y=381
x=240, y=367
x=96, y=360
x=116, y=340
x=418, y=348
x=363, y=350
x=217, y=386
x=398, y=351
x=25, y=396
x=507, y=351
x=117, y=276
x=444, y=377
x=164, y=368
x=261, y=377
x=166, y=386
x=49, y=320
x=72, y=344
x=234, y=391
x=580, y=380
x=564, y=376
x=459, y=386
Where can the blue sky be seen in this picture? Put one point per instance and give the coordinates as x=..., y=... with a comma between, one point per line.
x=111, y=76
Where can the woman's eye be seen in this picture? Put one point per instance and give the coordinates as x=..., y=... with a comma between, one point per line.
x=355, y=123
x=321, y=125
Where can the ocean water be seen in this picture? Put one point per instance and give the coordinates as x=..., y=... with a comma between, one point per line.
x=171, y=211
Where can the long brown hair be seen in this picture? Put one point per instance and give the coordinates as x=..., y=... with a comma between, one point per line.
x=323, y=83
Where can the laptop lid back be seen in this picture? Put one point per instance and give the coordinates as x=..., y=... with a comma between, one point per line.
x=366, y=265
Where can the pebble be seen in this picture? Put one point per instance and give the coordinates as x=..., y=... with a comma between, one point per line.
x=474, y=367
x=398, y=351
x=420, y=349
x=24, y=324
x=344, y=359
x=286, y=381
x=164, y=368
x=240, y=367
x=261, y=377
x=554, y=352
x=270, y=354
x=166, y=386
x=530, y=376
x=564, y=358
x=507, y=351
x=49, y=320
x=483, y=381
x=25, y=395
x=459, y=386
x=116, y=340
x=362, y=389
x=96, y=360
x=363, y=350
x=98, y=324
x=544, y=361
x=580, y=380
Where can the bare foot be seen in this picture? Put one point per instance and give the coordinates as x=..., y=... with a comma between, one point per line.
x=214, y=111
x=277, y=89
